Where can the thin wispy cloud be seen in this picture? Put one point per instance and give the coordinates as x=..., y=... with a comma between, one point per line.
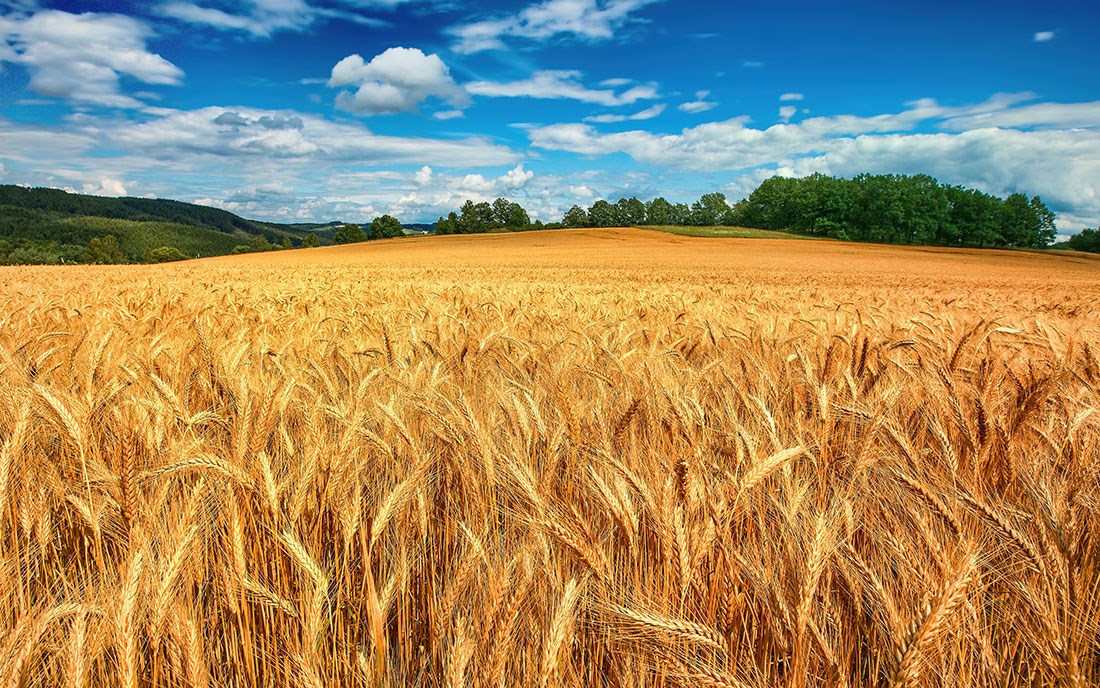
x=590, y=20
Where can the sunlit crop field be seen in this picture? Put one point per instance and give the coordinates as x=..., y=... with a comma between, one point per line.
x=575, y=458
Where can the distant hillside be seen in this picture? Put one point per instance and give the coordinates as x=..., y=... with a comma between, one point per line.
x=53, y=226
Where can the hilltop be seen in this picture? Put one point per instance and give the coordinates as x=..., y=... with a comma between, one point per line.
x=39, y=225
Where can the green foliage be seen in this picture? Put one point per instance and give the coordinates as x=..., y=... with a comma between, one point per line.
x=1088, y=240
x=311, y=240
x=602, y=214
x=447, y=225
x=164, y=254
x=104, y=251
x=349, y=234
x=385, y=227
x=910, y=209
x=575, y=217
x=51, y=226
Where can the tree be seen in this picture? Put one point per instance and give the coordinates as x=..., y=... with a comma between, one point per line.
x=601, y=214
x=681, y=214
x=575, y=217
x=1087, y=240
x=349, y=234
x=311, y=241
x=260, y=243
x=658, y=212
x=517, y=217
x=104, y=251
x=475, y=218
x=447, y=225
x=385, y=227
x=710, y=209
x=502, y=212
x=1047, y=231
x=287, y=243
x=630, y=212
x=164, y=254
x=1019, y=225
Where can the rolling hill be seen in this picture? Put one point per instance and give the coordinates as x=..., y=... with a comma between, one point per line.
x=40, y=225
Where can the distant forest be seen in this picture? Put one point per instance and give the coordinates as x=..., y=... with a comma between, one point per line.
x=898, y=209
x=49, y=226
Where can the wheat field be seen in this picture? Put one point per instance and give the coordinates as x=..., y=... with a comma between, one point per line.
x=592, y=458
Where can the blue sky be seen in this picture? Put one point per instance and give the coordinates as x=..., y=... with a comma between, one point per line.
x=318, y=110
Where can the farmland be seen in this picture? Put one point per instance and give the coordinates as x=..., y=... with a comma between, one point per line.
x=571, y=458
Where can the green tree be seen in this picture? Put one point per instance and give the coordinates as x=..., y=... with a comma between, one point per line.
x=447, y=225
x=575, y=217
x=658, y=212
x=502, y=213
x=260, y=243
x=104, y=251
x=602, y=214
x=385, y=227
x=164, y=254
x=1019, y=226
x=475, y=218
x=517, y=217
x=311, y=240
x=287, y=244
x=681, y=214
x=710, y=210
x=1047, y=231
x=349, y=234
x=1087, y=240
x=630, y=212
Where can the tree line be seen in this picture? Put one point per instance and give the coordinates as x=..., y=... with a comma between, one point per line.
x=890, y=208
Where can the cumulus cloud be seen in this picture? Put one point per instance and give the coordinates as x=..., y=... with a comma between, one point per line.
x=590, y=20
x=1044, y=36
x=106, y=187
x=648, y=113
x=700, y=104
x=397, y=80
x=791, y=97
x=262, y=18
x=83, y=57
x=561, y=84
x=1060, y=164
x=787, y=112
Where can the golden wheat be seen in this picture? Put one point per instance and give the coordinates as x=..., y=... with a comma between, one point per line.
x=607, y=457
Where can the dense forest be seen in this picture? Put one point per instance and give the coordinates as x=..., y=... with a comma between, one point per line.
x=900, y=209
x=49, y=226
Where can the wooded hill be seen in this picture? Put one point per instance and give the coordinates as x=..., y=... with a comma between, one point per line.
x=45, y=226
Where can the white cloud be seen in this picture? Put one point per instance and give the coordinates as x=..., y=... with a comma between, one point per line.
x=1061, y=165
x=786, y=97
x=449, y=114
x=700, y=104
x=561, y=84
x=262, y=18
x=786, y=112
x=592, y=20
x=82, y=57
x=752, y=64
x=423, y=176
x=647, y=114
x=1044, y=36
x=106, y=187
x=517, y=178
x=397, y=80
